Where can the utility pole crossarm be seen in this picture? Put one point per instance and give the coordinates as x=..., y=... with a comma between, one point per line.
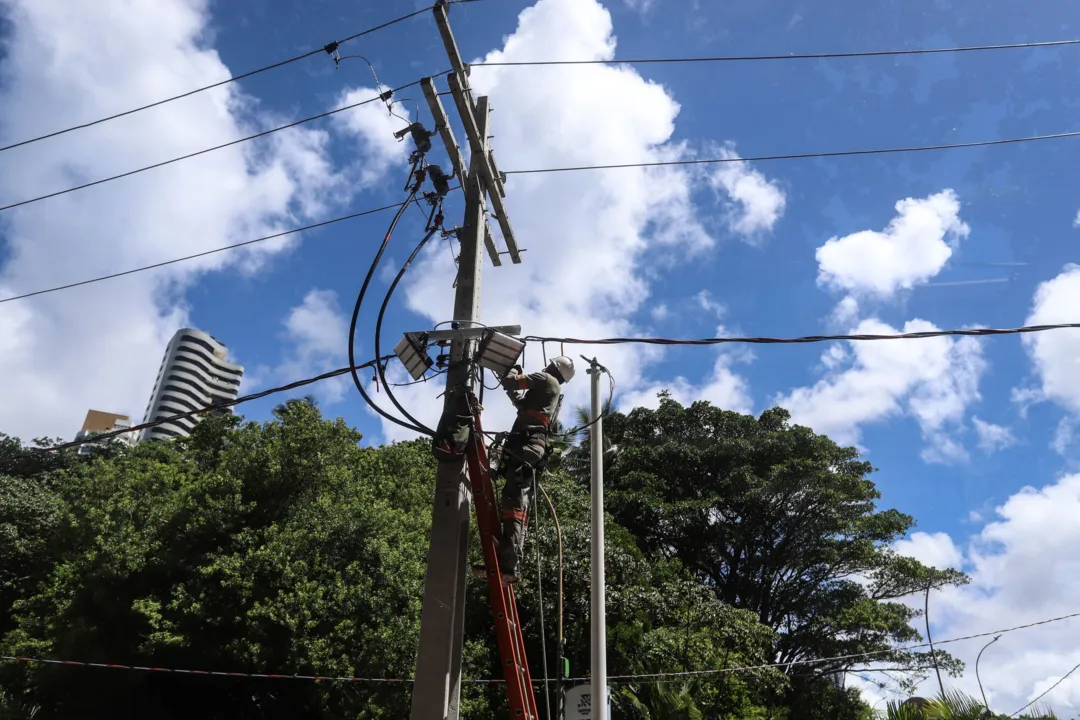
x=468, y=109
x=442, y=124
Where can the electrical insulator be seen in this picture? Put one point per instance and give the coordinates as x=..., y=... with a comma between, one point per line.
x=420, y=136
x=439, y=179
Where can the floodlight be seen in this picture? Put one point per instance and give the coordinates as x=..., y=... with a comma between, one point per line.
x=499, y=352
x=412, y=352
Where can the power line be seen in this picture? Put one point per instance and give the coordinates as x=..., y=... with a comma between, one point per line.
x=179, y=416
x=799, y=156
x=1047, y=691
x=977, y=332
x=789, y=56
x=328, y=48
x=264, y=133
x=201, y=254
x=624, y=678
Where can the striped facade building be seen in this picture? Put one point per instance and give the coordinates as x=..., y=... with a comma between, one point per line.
x=193, y=375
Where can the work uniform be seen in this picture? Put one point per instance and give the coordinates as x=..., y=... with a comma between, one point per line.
x=524, y=449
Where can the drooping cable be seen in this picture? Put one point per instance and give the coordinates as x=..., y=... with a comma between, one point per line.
x=540, y=598
x=967, y=332
x=789, y=56
x=800, y=156
x=378, y=330
x=558, y=535
x=197, y=153
x=356, y=316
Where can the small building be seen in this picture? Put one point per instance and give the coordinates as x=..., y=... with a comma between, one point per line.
x=98, y=422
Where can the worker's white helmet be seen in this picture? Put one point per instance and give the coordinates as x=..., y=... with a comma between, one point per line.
x=565, y=366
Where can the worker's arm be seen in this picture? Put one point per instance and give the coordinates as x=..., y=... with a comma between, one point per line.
x=517, y=380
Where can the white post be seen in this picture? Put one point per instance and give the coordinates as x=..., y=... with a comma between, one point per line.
x=599, y=611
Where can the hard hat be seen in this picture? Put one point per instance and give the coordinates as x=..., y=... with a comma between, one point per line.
x=565, y=366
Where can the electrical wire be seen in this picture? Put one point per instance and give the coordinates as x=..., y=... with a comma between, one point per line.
x=970, y=332
x=1047, y=691
x=789, y=56
x=378, y=330
x=558, y=536
x=798, y=156
x=572, y=432
x=188, y=156
x=540, y=601
x=283, y=233
x=356, y=316
x=328, y=48
x=616, y=678
x=98, y=437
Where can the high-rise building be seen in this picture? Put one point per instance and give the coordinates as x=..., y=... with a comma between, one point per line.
x=98, y=422
x=193, y=375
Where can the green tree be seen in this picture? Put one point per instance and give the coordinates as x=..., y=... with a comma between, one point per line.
x=777, y=520
x=282, y=547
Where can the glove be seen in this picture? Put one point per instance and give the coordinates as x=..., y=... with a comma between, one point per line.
x=517, y=370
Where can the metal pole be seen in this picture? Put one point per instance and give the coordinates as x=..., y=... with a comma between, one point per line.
x=598, y=615
x=437, y=690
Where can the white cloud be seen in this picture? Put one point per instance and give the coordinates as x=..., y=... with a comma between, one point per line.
x=67, y=63
x=913, y=248
x=706, y=302
x=992, y=437
x=1056, y=354
x=846, y=313
x=584, y=274
x=316, y=337
x=1023, y=569
x=755, y=204
x=1076, y=220
x=373, y=129
x=933, y=380
x=932, y=549
x=723, y=387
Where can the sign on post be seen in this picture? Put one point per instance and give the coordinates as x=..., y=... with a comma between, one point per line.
x=578, y=703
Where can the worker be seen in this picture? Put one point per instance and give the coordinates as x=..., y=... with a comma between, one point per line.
x=536, y=397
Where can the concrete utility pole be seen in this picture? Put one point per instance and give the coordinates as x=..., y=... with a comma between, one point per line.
x=437, y=687
x=598, y=606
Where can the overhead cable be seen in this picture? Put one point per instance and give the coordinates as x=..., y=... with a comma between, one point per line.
x=264, y=238
x=976, y=332
x=622, y=678
x=98, y=437
x=264, y=133
x=798, y=156
x=788, y=56
x=328, y=48
x=413, y=426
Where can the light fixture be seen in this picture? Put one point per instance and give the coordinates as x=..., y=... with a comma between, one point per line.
x=412, y=352
x=499, y=352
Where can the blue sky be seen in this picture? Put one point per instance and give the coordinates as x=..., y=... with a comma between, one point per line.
x=948, y=239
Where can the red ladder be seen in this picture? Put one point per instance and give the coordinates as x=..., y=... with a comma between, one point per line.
x=515, y=666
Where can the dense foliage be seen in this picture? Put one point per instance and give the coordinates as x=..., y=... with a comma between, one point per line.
x=287, y=547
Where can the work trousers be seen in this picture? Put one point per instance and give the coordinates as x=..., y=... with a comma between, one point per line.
x=520, y=461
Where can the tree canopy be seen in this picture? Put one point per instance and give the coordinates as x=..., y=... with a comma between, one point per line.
x=287, y=547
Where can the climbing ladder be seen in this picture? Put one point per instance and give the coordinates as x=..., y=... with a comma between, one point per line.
x=515, y=666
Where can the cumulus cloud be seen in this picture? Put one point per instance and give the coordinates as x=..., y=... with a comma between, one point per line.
x=373, y=128
x=723, y=387
x=932, y=549
x=933, y=381
x=1023, y=569
x=992, y=437
x=315, y=337
x=754, y=203
x=913, y=248
x=587, y=234
x=1076, y=220
x=1056, y=355
x=69, y=63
